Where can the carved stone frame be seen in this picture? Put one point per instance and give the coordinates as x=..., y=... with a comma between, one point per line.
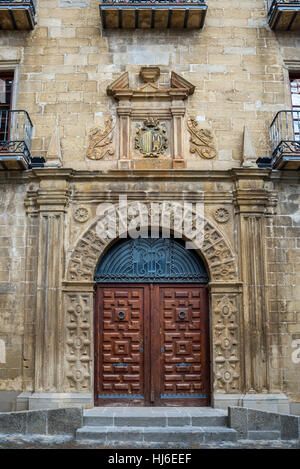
x=226, y=330
x=158, y=103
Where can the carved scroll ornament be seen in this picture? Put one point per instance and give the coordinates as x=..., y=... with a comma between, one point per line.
x=202, y=141
x=100, y=141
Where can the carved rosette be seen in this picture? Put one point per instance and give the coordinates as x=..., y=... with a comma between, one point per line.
x=78, y=342
x=226, y=331
x=81, y=214
x=202, y=141
x=222, y=215
x=100, y=141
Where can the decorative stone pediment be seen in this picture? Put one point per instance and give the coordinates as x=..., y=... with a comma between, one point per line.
x=179, y=87
x=144, y=146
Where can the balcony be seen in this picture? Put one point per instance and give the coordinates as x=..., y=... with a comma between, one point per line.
x=15, y=140
x=285, y=139
x=17, y=14
x=284, y=15
x=160, y=14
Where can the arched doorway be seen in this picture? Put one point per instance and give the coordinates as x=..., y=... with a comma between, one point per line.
x=151, y=325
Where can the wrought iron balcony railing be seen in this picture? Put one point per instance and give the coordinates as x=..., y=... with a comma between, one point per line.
x=17, y=14
x=15, y=139
x=284, y=15
x=157, y=14
x=285, y=140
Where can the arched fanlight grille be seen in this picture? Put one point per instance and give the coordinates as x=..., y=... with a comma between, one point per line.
x=151, y=260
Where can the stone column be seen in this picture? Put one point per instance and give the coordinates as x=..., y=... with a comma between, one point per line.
x=30, y=291
x=251, y=205
x=250, y=209
x=31, y=262
x=52, y=202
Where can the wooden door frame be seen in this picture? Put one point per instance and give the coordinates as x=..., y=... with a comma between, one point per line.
x=151, y=354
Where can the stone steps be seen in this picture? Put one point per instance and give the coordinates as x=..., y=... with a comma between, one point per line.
x=186, y=425
x=187, y=434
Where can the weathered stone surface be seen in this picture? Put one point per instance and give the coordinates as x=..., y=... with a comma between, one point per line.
x=37, y=422
x=13, y=422
x=263, y=420
x=290, y=427
x=238, y=420
x=64, y=421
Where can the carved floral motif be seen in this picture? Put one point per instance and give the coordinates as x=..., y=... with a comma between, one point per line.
x=78, y=341
x=201, y=140
x=226, y=343
x=81, y=214
x=222, y=215
x=100, y=141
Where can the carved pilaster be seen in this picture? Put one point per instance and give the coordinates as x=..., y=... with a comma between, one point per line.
x=178, y=112
x=251, y=206
x=78, y=351
x=31, y=263
x=227, y=340
x=52, y=201
x=124, y=113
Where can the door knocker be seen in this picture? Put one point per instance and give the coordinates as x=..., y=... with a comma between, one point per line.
x=121, y=314
x=182, y=314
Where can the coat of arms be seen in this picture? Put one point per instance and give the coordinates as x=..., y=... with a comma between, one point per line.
x=151, y=138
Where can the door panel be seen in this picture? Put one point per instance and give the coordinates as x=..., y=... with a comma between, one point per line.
x=183, y=345
x=151, y=345
x=120, y=361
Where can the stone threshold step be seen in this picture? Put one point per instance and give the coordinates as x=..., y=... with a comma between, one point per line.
x=154, y=410
x=156, y=434
x=152, y=420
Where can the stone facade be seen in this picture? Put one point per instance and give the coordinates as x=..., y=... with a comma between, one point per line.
x=216, y=90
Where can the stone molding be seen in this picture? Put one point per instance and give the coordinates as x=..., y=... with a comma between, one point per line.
x=216, y=250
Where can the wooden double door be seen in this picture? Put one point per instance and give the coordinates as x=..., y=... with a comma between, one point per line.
x=151, y=345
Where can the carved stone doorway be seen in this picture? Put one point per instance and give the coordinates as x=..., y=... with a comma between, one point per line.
x=151, y=326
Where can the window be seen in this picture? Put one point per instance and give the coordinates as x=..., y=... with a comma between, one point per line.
x=6, y=90
x=295, y=98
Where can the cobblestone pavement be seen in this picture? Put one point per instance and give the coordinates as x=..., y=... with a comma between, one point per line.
x=67, y=442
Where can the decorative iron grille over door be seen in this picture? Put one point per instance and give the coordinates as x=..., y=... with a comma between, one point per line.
x=151, y=260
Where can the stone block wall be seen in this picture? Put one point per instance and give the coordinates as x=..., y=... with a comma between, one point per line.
x=12, y=282
x=254, y=424
x=283, y=243
x=42, y=422
x=65, y=65
x=240, y=70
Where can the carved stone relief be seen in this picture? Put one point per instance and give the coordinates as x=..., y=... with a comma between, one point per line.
x=222, y=215
x=201, y=141
x=151, y=101
x=78, y=354
x=214, y=247
x=151, y=138
x=81, y=214
x=226, y=343
x=100, y=141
